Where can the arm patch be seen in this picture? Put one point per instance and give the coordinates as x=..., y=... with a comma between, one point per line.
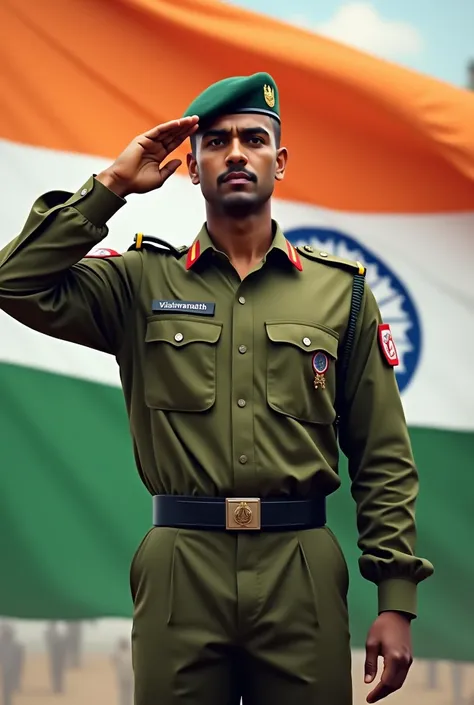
x=103, y=252
x=387, y=345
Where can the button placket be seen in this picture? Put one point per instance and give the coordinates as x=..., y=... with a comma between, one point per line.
x=242, y=406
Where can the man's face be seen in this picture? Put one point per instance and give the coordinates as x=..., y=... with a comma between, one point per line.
x=236, y=163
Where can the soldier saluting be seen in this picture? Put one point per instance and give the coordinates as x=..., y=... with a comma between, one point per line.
x=230, y=354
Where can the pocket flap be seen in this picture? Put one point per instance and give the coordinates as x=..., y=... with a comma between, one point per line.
x=181, y=332
x=305, y=336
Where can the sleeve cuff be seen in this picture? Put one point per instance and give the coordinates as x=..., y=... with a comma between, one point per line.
x=397, y=595
x=96, y=202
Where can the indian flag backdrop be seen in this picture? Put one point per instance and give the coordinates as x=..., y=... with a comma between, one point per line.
x=381, y=169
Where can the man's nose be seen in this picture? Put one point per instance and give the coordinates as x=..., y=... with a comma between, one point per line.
x=236, y=154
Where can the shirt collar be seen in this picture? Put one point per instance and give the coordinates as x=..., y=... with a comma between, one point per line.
x=203, y=242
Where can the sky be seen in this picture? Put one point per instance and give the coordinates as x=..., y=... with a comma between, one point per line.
x=434, y=37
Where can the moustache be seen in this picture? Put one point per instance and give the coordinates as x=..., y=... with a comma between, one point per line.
x=236, y=170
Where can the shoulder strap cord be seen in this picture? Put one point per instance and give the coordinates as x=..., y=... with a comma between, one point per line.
x=356, y=303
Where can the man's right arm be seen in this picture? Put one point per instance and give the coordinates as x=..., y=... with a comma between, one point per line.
x=47, y=285
x=44, y=281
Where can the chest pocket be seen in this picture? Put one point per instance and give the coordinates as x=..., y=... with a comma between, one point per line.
x=180, y=364
x=290, y=375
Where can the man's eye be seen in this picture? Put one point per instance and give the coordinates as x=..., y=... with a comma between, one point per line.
x=216, y=142
x=255, y=140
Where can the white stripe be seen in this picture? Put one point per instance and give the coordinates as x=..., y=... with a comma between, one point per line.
x=432, y=255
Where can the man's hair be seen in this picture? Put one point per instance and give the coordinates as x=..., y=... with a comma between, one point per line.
x=276, y=132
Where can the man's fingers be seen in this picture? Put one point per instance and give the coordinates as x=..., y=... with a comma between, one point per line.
x=155, y=131
x=174, y=138
x=171, y=126
x=168, y=169
x=372, y=650
x=378, y=693
x=394, y=674
x=168, y=141
x=174, y=141
x=382, y=689
x=160, y=131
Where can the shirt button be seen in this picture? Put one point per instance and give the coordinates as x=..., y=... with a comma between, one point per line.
x=178, y=337
x=83, y=192
x=241, y=403
x=241, y=300
x=243, y=459
x=323, y=254
x=242, y=349
x=308, y=248
x=306, y=341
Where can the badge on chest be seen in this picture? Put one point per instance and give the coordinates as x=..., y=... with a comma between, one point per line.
x=320, y=367
x=197, y=308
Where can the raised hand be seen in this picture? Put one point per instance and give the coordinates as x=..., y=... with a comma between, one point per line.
x=140, y=167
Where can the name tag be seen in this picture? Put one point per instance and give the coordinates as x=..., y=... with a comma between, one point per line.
x=198, y=308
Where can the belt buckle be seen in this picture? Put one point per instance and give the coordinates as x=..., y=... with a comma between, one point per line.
x=242, y=514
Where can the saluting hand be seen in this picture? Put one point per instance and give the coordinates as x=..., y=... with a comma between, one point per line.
x=390, y=638
x=139, y=168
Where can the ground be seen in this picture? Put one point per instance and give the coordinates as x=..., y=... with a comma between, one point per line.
x=94, y=684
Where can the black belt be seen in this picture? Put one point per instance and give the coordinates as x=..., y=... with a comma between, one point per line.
x=238, y=514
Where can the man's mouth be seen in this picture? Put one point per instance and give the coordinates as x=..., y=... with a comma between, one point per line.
x=237, y=177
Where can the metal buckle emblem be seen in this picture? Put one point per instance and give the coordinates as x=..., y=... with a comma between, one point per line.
x=242, y=514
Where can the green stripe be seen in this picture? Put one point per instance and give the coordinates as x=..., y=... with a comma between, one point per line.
x=73, y=510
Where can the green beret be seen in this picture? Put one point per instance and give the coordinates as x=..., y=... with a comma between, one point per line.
x=239, y=94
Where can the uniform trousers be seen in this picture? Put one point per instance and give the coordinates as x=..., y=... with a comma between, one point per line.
x=220, y=616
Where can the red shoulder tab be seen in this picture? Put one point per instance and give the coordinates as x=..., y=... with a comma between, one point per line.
x=293, y=256
x=103, y=252
x=193, y=254
x=387, y=345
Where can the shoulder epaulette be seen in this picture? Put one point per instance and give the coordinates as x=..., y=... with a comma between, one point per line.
x=331, y=260
x=142, y=242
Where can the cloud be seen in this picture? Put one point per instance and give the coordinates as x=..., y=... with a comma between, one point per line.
x=361, y=26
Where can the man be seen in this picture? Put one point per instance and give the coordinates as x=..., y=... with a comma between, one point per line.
x=228, y=352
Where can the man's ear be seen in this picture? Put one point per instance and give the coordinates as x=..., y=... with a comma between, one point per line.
x=193, y=170
x=282, y=159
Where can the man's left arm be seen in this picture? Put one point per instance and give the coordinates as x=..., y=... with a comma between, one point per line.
x=374, y=437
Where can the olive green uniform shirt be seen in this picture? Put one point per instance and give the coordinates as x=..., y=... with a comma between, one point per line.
x=225, y=405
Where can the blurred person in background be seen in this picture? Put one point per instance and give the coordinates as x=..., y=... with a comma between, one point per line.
x=122, y=661
x=19, y=664
x=56, y=648
x=231, y=353
x=11, y=663
x=74, y=631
